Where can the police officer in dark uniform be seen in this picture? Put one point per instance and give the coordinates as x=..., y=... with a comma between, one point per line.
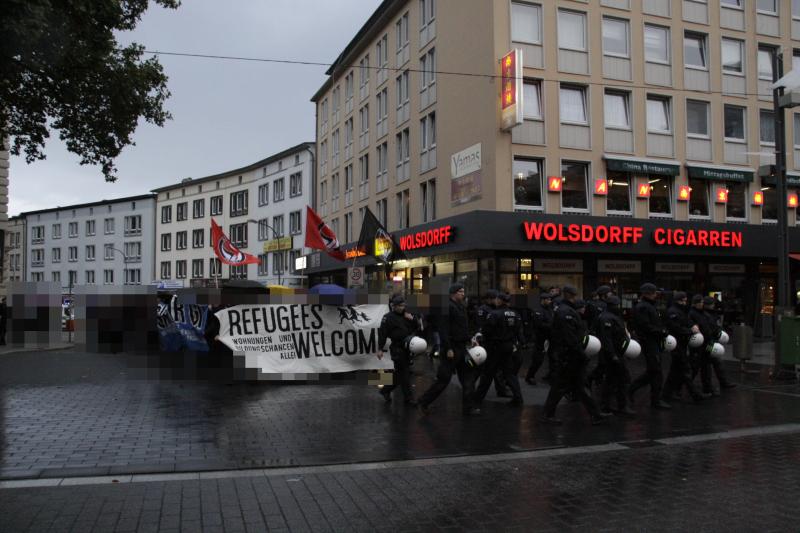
x=502, y=335
x=569, y=330
x=488, y=305
x=703, y=313
x=398, y=325
x=542, y=329
x=682, y=328
x=455, y=337
x=651, y=333
x=613, y=336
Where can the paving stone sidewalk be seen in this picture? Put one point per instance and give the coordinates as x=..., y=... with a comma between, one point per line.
x=738, y=484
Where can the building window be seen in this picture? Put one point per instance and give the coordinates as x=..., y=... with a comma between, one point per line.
x=573, y=189
x=734, y=123
x=294, y=255
x=133, y=252
x=90, y=252
x=427, y=64
x=732, y=3
x=57, y=230
x=428, y=132
x=767, y=126
x=238, y=235
x=180, y=269
x=532, y=100
x=108, y=277
x=527, y=175
x=765, y=57
x=199, y=208
x=402, y=209
x=795, y=9
x=181, y=240
x=277, y=226
x=572, y=104
x=616, y=37
x=694, y=50
x=348, y=227
x=108, y=226
x=90, y=228
x=736, y=207
x=277, y=263
x=214, y=267
x=263, y=194
x=278, y=190
x=166, y=214
x=263, y=230
x=617, y=109
x=656, y=44
x=698, y=198
x=660, y=195
x=90, y=277
x=382, y=212
x=263, y=263
x=166, y=242
x=37, y=234
x=238, y=203
x=197, y=268
x=296, y=184
x=216, y=205
x=526, y=23
x=56, y=277
x=72, y=229
x=349, y=83
x=697, y=118
x=732, y=56
x=294, y=223
x=72, y=276
x=166, y=270
x=767, y=6
x=428, y=193
x=658, y=114
x=108, y=252
x=618, y=199
x=182, y=211
x=198, y=236
x=73, y=253
x=403, y=149
x=769, y=209
x=571, y=30
x=364, y=71
x=56, y=255
x=133, y=225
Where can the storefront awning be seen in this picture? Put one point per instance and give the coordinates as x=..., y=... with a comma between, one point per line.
x=717, y=173
x=792, y=180
x=642, y=166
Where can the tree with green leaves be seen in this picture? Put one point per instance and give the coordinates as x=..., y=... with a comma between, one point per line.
x=61, y=68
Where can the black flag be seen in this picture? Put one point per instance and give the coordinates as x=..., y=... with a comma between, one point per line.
x=375, y=241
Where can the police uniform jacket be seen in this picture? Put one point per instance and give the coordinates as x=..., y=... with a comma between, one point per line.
x=594, y=308
x=707, y=324
x=398, y=328
x=612, y=334
x=569, y=329
x=543, y=323
x=648, y=326
x=503, y=327
x=679, y=324
x=454, y=327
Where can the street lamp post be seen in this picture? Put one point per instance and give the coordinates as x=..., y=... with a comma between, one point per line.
x=274, y=237
x=124, y=264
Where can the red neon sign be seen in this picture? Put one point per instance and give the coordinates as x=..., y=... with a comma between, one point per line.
x=644, y=191
x=722, y=196
x=684, y=193
x=600, y=187
x=509, y=70
x=758, y=198
x=355, y=252
x=792, y=200
x=554, y=183
x=426, y=239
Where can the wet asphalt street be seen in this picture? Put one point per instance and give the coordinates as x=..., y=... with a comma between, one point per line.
x=71, y=415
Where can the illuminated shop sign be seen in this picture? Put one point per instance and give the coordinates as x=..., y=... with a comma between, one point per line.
x=426, y=239
x=602, y=234
x=511, y=95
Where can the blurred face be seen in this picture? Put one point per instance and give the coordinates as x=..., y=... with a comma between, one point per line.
x=459, y=295
x=683, y=301
x=546, y=302
x=650, y=295
x=400, y=308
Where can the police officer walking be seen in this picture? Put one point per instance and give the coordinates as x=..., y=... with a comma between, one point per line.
x=569, y=330
x=703, y=313
x=502, y=335
x=651, y=334
x=490, y=300
x=542, y=329
x=398, y=325
x=594, y=308
x=682, y=328
x=613, y=337
x=455, y=338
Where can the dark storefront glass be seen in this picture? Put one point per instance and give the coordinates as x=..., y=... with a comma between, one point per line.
x=573, y=193
x=660, y=195
x=698, y=199
x=737, y=200
x=769, y=210
x=527, y=175
x=619, y=192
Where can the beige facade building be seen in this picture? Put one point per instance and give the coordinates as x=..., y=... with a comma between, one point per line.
x=4, y=171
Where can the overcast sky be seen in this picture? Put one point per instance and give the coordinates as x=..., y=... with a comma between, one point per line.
x=226, y=114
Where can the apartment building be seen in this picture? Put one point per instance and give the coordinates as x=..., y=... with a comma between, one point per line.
x=261, y=207
x=4, y=167
x=14, y=252
x=643, y=118
x=109, y=242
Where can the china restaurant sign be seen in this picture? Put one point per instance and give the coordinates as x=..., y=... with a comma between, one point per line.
x=613, y=234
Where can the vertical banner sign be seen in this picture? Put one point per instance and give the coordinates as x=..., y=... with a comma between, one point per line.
x=684, y=193
x=511, y=94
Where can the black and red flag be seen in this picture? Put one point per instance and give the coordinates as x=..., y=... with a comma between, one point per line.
x=321, y=237
x=226, y=251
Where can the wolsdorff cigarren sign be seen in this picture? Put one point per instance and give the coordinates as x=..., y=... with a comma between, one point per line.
x=304, y=338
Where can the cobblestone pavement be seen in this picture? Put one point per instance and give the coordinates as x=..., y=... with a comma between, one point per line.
x=72, y=414
x=732, y=484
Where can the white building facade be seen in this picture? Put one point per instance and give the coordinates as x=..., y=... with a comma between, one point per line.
x=110, y=242
x=14, y=254
x=260, y=207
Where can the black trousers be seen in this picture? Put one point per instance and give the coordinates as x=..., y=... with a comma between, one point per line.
x=537, y=359
x=466, y=375
x=570, y=377
x=499, y=359
x=652, y=376
x=401, y=377
x=616, y=380
x=707, y=363
x=680, y=374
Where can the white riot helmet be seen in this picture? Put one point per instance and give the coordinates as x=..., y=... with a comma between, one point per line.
x=696, y=340
x=717, y=351
x=477, y=356
x=546, y=345
x=416, y=345
x=669, y=343
x=591, y=345
x=723, y=338
x=631, y=349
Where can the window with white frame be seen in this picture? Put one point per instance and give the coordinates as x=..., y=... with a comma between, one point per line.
x=765, y=58
x=348, y=183
x=363, y=168
x=90, y=252
x=658, y=114
x=348, y=135
x=656, y=44
x=427, y=64
x=532, y=99
x=182, y=211
x=108, y=226
x=574, y=176
x=571, y=30
x=618, y=197
x=572, y=104
x=402, y=143
x=72, y=276
x=382, y=212
x=401, y=30
x=278, y=190
x=401, y=85
x=73, y=253
x=263, y=194
x=697, y=118
x=527, y=182
x=37, y=234
x=767, y=126
x=428, y=200
x=199, y=208
x=428, y=132
x=526, y=23
x=238, y=203
x=616, y=37
x=181, y=240
x=90, y=277
x=734, y=123
x=296, y=184
x=796, y=9
x=264, y=230
x=238, y=272
x=166, y=269
x=278, y=266
x=349, y=83
x=698, y=197
x=695, y=50
x=56, y=277
x=617, y=107
x=277, y=225
x=363, y=119
x=295, y=226
x=238, y=235
x=294, y=255
x=37, y=256
x=383, y=157
x=214, y=267
x=263, y=263
x=39, y=276
x=90, y=228
x=166, y=214
x=427, y=12
x=767, y=6
x=197, y=268
x=72, y=229
x=108, y=252
x=108, y=276
x=736, y=206
x=133, y=252
x=402, y=202
x=382, y=51
x=133, y=225
x=56, y=255
x=57, y=230
x=732, y=56
x=383, y=106
x=166, y=242
x=134, y=276
x=732, y=3
x=363, y=68
x=198, y=236
x=180, y=269
x=348, y=227
x=216, y=205
x=660, y=200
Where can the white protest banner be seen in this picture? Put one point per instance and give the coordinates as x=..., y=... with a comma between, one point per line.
x=304, y=338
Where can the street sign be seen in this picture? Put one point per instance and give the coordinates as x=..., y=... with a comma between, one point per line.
x=278, y=245
x=355, y=277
